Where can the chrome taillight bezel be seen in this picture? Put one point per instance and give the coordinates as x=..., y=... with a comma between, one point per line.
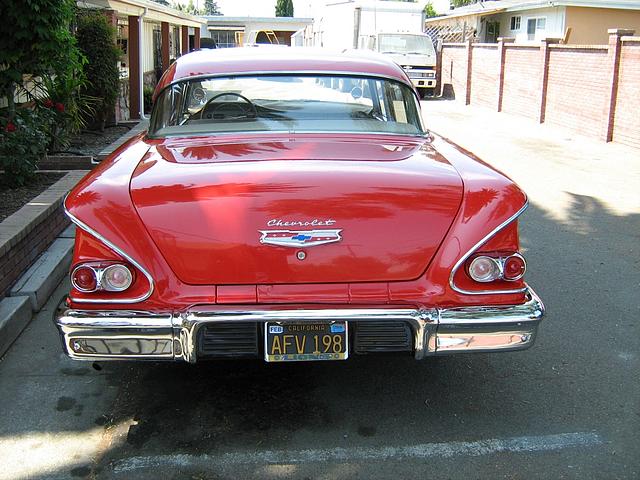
x=99, y=270
x=499, y=263
x=461, y=261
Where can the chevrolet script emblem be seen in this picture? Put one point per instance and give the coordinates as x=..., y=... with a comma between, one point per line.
x=299, y=238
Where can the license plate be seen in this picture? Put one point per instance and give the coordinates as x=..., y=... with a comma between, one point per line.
x=298, y=342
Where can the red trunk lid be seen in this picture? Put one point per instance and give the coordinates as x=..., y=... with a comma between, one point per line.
x=220, y=212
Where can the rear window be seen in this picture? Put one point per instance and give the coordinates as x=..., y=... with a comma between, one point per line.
x=286, y=103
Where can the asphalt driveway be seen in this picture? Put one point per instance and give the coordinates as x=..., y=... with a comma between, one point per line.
x=567, y=408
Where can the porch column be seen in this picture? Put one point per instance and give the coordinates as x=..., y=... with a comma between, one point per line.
x=134, y=67
x=196, y=38
x=164, y=33
x=184, y=30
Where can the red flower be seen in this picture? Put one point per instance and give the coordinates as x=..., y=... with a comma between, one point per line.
x=11, y=127
x=60, y=107
x=48, y=103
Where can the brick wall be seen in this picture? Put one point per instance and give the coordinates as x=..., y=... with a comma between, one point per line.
x=626, y=125
x=21, y=255
x=454, y=70
x=485, y=66
x=27, y=233
x=577, y=91
x=593, y=89
x=521, y=95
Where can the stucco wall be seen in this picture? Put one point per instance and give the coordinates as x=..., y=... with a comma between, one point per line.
x=555, y=23
x=589, y=25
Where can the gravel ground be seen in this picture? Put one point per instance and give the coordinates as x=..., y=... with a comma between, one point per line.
x=12, y=199
x=92, y=143
x=85, y=143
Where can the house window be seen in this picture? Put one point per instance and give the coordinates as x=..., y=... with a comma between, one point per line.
x=535, y=26
x=515, y=23
x=225, y=38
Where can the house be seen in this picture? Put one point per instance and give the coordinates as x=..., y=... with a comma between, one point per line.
x=151, y=36
x=582, y=22
x=239, y=31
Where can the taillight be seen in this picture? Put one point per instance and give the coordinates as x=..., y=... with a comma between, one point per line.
x=94, y=277
x=116, y=278
x=514, y=267
x=84, y=279
x=485, y=268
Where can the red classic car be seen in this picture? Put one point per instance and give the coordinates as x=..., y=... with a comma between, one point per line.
x=290, y=205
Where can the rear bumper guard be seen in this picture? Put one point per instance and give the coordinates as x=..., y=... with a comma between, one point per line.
x=135, y=335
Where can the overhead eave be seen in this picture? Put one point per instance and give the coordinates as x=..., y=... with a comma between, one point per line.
x=481, y=10
x=482, y=13
x=155, y=11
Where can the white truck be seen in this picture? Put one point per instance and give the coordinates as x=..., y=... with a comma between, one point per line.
x=392, y=28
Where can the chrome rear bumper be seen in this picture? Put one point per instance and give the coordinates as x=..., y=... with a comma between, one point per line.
x=128, y=335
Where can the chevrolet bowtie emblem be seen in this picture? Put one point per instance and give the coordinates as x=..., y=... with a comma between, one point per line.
x=299, y=238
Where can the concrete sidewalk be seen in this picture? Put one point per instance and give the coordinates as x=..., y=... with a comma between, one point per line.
x=550, y=164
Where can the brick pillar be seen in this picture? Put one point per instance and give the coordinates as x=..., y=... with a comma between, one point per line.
x=544, y=54
x=501, y=55
x=134, y=67
x=613, y=71
x=164, y=45
x=467, y=97
x=196, y=38
x=184, y=39
x=112, y=17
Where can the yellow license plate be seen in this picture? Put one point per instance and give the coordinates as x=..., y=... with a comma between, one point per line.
x=299, y=342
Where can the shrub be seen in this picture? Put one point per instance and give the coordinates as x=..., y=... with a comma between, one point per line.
x=96, y=39
x=64, y=108
x=147, y=92
x=34, y=40
x=22, y=143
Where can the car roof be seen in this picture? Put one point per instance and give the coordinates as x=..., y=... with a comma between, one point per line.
x=246, y=60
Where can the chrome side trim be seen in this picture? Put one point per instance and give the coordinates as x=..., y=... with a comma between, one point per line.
x=119, y=251
x=130, y=334
x=531, y=311
x=473, y=249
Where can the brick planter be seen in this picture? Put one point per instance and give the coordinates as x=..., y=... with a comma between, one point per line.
x=29, y=231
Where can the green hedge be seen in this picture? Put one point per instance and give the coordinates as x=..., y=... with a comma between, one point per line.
x=97, y=40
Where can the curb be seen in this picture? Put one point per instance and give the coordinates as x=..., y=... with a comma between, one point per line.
x=42, y=278
x=34, y=288
x=15, y=314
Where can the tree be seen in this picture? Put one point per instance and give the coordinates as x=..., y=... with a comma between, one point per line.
x=211, y=8
x=34, y=39
x=429, y=11
x=284, y=8
x=462, y=3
